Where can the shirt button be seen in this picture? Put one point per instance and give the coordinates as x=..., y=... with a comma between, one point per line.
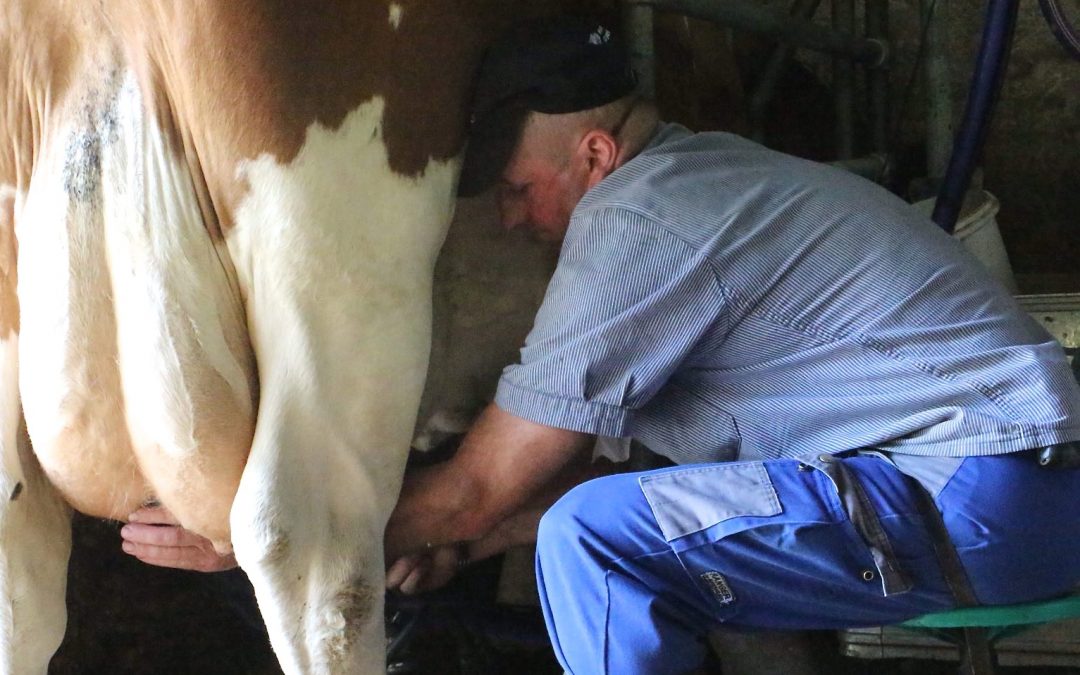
x=804, y=467
x=825, y=458
x=868, y=575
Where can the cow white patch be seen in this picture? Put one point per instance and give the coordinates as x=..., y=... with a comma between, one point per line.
x=334, y=252
x=396, y=14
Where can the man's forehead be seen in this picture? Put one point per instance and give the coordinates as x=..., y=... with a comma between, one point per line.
x=528, y=158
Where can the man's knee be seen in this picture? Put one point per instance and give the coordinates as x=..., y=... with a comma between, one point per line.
x=604, y=513
x=563, y=522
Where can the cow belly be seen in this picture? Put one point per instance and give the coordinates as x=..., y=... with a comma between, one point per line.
x=136, y=373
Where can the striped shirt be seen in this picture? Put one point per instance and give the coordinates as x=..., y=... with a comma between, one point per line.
x=717, y=300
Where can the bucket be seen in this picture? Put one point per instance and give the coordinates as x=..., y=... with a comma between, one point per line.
x=978, y=230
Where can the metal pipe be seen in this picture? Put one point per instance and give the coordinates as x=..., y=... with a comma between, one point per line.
x=770, y=74
x=939, y=111
x=990, y=69
x=843, y=21
x=638, y=27
x=744, y=15
x=877, y=79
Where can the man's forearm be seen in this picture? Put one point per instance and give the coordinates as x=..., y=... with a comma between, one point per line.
x=514, y=530
x=503, y=463
x=520, y=528
x=436, y=507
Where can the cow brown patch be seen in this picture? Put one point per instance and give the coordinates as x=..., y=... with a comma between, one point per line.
x=279, y=67
x=293, y=67
x=38, y=50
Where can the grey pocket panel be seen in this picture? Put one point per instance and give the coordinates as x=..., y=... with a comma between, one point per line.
x=690, y=500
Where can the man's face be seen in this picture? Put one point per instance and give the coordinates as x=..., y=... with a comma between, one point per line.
x=538, y=190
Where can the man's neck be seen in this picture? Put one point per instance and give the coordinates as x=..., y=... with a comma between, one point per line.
x=638, y=134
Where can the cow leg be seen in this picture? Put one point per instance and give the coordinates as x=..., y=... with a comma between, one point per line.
x=322, y=477
x=35, y=540
x=335, y=254
x=312, y=546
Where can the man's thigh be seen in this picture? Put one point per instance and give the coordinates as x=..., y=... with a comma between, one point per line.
x=1015, y=526
x=758, y=544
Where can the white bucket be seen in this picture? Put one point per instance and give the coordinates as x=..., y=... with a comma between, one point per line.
x=978, y=230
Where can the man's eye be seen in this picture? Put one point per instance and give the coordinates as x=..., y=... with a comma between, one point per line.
x=515, y=189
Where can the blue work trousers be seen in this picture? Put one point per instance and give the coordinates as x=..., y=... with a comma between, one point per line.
x=635, y=569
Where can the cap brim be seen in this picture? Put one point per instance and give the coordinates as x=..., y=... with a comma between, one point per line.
x=492, y=140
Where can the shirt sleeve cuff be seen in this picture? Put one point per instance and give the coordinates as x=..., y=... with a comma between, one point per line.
x=570, y=414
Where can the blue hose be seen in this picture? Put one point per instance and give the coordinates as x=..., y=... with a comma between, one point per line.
x=985, y=88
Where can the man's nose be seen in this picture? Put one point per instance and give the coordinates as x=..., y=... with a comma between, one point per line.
x=511, y=215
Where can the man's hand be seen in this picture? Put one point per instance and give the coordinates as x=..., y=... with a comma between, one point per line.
x=153, y=536
x=503, y=462
x=422, y=572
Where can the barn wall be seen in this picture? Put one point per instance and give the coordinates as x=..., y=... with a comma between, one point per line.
x=1031, y=162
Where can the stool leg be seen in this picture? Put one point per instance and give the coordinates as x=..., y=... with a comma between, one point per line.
x=976, y=652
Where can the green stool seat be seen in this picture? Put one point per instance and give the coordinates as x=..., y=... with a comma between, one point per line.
x=1001, y=616
x=974, y=629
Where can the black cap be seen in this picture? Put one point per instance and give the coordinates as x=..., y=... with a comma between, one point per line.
x=554, y=66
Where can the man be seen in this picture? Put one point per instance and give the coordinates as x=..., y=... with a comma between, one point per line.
x=859, y=410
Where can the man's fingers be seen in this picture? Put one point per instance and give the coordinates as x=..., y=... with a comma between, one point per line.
x=413, y=582
x=165, y=556
x=173, y=546
x=160, y=535
x=419, y=573
x=400, y=570
x=443, y=568
x=153, y=515
x=180, y=557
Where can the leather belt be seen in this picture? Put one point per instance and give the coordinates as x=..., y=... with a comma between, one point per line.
x=948, y=559
x=863, y=515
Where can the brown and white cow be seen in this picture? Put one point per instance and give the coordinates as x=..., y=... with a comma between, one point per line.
x=218, y=221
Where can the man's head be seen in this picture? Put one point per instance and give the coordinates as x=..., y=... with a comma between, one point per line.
x=554, y=114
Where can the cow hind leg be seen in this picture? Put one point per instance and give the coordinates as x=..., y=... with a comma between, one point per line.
x=340, y=253
x=35, y=541
x=314, y=556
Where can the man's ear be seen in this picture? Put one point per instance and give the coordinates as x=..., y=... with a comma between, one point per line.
x=599, y=152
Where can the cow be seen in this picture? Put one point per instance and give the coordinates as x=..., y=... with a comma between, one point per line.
x=218, y=223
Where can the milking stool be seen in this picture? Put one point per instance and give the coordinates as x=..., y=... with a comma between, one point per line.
x=975, y=630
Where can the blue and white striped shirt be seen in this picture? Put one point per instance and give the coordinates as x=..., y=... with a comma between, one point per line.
x=717, y=300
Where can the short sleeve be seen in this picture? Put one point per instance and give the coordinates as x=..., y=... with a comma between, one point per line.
x=627, y=303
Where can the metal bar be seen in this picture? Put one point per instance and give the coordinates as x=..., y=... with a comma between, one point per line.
x=939, y=110
x=877, y=79
x=744, y=15
x=985, y=89
x=638, y=27
x=770, y=75
x=843, y=22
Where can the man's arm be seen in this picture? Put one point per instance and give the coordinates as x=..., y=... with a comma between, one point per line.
x=432, y=569
x=503, y=463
